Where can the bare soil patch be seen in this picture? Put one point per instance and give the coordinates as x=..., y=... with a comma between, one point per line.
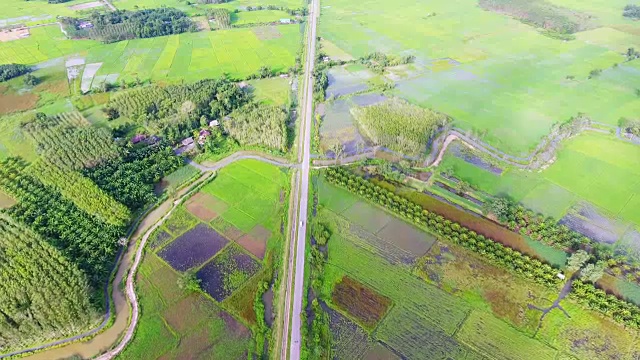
x=202, y=23
x=14, y=34
x=13, y=102
x=234, y=327
x=193, y=248
x=6, y=201
x=255, y=246
x=361, y=302
x=201, y=212
x=89, y=5
x=187, y=313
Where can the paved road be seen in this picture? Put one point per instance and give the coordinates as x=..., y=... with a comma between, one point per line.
x=303, y=189
x=242, y=155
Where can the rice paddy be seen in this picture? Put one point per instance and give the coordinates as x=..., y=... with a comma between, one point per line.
x=447, y=303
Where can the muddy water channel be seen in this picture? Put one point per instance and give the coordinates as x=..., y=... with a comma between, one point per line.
x=103, y=341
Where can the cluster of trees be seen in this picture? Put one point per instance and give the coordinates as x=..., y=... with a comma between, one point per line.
x=631, y=11
x=130, y=179
x=378, y=61
x=590, y=272
x=259, y=124
x=454, y=232
x=213, y=1
x=42, y=294
x=65, y=144
x=398, y=125
x=630, y=126
x=222, y=17
x=320, y=84
x=122, y=24
x=57, y=1
x=303, y=11
x=83, y=238
x=209, y=98
x=547, y=230
x=621, y=311
x=9, y=71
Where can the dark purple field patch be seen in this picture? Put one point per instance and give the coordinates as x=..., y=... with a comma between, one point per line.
x=227, y=272
x=193, y=248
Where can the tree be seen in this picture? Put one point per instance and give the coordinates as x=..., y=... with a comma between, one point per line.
x=593, y=272
x=577, y=259
x=31, y=80
x=9, y=71
x=500, y=207
x=188, y=282
x=338, y=148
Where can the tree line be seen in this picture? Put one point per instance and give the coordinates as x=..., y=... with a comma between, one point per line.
x=618, y=309
x=9, y=71
x=120, y=25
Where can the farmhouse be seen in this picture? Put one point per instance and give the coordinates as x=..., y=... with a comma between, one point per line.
x=186, y=146
x=85, y=25
x=203, y=136
x=214, y=123
x=286, y=21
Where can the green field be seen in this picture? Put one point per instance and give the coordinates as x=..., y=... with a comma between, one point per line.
x=451, y=303
x=195, y=325
x=276, y=91
x=498, y=63
x=38, y=11
x=188, y=57
x=593, y=167
x=256, y=17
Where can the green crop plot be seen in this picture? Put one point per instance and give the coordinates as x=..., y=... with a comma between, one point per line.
x=256, y=17
x=496, y=339
x=488, y=61
x=36, y=12
x=43, y=44
x=193, y=56
x=274, y=91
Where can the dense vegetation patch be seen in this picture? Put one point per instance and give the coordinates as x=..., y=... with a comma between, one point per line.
x=175, y=111
x=85, y=239
x=122, y=24
x=37, y=308
x=541, y=14
x=130, y=179
x=361, y=302
x=9, y=71
x=630, y=126
x=256, y=124
x=631, y=11
x=398, y=125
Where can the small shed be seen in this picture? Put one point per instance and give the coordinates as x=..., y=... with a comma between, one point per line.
x=286, y=21
x=214, y=123
x=188, y=141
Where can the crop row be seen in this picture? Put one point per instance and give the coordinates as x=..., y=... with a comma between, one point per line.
x=454, y=232
x=585, y=293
